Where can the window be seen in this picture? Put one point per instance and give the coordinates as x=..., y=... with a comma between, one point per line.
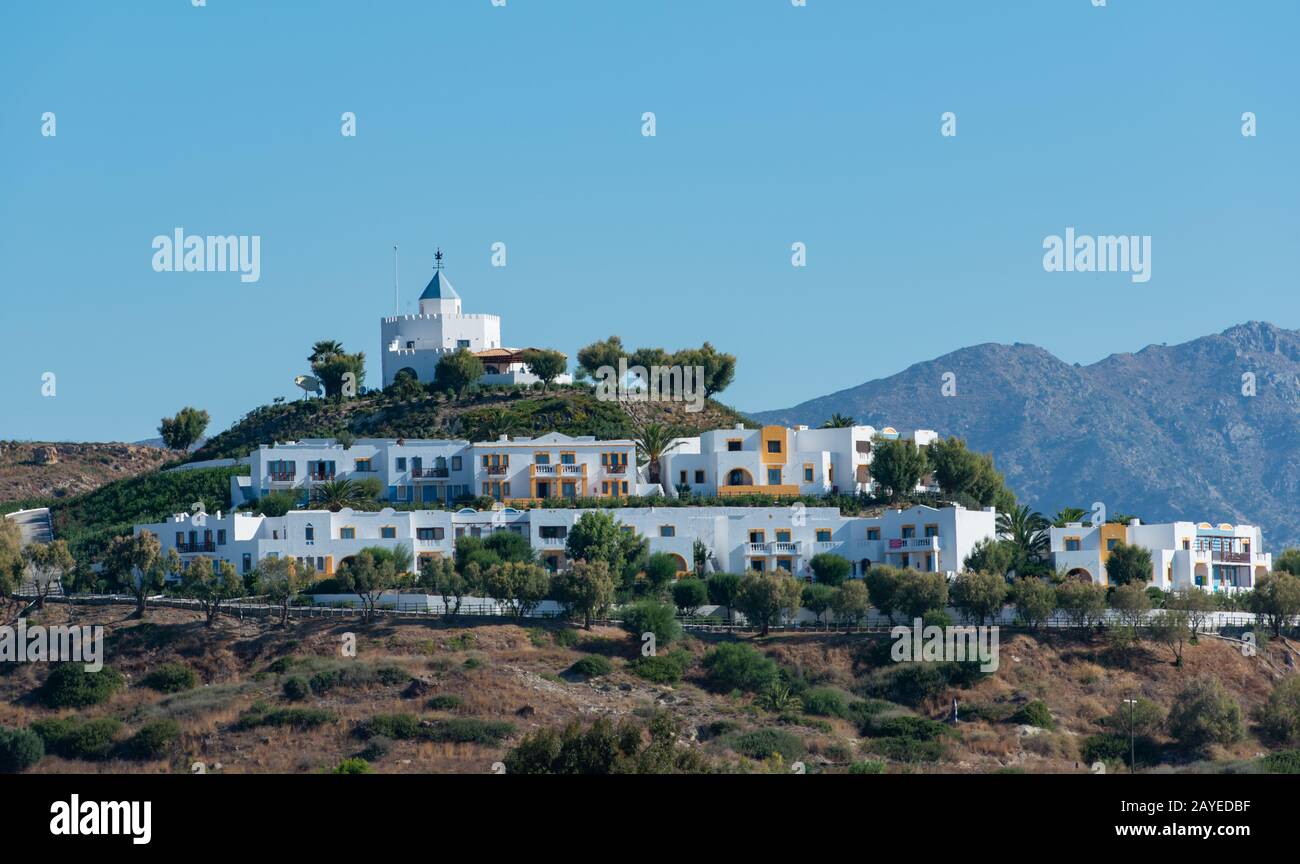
x=757, y=565
x=699, y=476
x=757, y=536
x=552, y=532
x=931, y=530
x=909, y=531
x=873, y=533
x=783, y=535
x=388, y=532
x=247, y=562
x=774, y=445
x=401, y=463
x=542, y=458
x=667, y=530
x=568, y=458
x=1072, y=544
x=823, y=535
x=221, y=536
x=462, y=343
x=786, y=564
x=1187, y=544
x=682, y=477
x=774, y=476
x=1111, y=544
x=808, y=474
x=733, y=445
x=425, y=534
x=455, y=463
x=309, y=534
x=347, y=533
x=363, y=465
x=180, y=538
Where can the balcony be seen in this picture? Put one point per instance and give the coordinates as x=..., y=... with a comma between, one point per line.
x=280, y=476
x=496, y=470
x=552, y=542
x=615, y=469
x=190, y=548
x=559, y=470
x=913, y=544
x=783, y=547
x=430, y=473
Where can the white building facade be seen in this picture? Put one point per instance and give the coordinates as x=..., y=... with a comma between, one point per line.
x=736, y=538
x=1184, y=555
x=776, y=460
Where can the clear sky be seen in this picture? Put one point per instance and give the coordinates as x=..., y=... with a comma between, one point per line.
x=522, y=124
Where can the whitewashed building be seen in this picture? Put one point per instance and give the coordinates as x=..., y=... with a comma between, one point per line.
x=776, y=460
x=736, y=538
x=1184, y=555
x=415, y=343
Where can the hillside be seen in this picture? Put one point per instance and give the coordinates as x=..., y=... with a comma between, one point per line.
x=482, y=416
x=1165, y=433
x=45, y=471
x=453, y=698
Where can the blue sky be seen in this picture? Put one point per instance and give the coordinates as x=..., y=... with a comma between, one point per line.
x=522, y=124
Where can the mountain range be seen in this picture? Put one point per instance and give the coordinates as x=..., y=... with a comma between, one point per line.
x=1207, y=430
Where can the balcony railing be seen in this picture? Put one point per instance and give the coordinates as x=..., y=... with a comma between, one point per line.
x=910, y=543
x=430, y=472
x=320, y=475
x=783, y=547
x=558, y=470
x=280, y=476
x=187, y=548
x=496, y=469
x=615, y=469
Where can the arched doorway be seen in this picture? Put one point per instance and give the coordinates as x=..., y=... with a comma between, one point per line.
x=1079, y=574
x=739, y=477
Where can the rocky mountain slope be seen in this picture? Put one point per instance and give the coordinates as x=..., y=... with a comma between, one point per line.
x=1168, y=432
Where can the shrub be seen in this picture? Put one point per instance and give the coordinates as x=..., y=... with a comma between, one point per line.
x=399, y=727
x=296, y=688
x=445, y=702
x=376, y=748
x=75, y=738
x=738, y=666
x=826, y=702
x=565, y=637
x=649, y=616
x=868, y=767
x=762, y=743
x=1203, y=713
x=908, y=727
x=20, y=749
x=661, y=668
x=353, y=766
x=171, y=678
x=1034, y=713
x=592, y=666
x=1282, y=762
x=908, y=749
x=71, y=686
x=153, y=740
x=468, y=730
x=1280, y=717
x=1107, y=747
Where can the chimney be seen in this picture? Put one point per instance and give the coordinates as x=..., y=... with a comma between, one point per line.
x=503, y=437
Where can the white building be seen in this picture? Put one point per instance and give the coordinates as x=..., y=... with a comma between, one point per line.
x=737, y=538
x=1183, y=554
x=420, y=471
x=775, y=460
x=417, y=342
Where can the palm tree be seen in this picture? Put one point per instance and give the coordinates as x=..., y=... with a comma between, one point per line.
x=1027, y=530
x=839, y=421
x=334, y=495
x=653, y=442
x=491, y=424
x=1066, y=515
x=325, y=349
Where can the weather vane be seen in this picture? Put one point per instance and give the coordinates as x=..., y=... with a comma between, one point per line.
x=437, y=259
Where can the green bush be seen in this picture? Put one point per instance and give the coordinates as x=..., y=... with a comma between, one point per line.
x=1282, y=762
x=738, y=666
x=171, y=678
x=650, y=616
x=910, y=728
x=762, y=743
x=1107, y=747
x=399, y=727
x=661, y=668
x=20, y=749
x=1034, y=713
x=71, y=686
x=826, y=702
x=376, y=748
x=445, y=702
x=468, y=730
x=296, y=688
x=353, y=766
x=153, y=740
x=868, y=767
x=75, y=738
x=908, y=749
x=566, y=637
x=592, y=666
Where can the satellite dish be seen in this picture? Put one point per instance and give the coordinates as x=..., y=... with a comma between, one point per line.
x=309, y=384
